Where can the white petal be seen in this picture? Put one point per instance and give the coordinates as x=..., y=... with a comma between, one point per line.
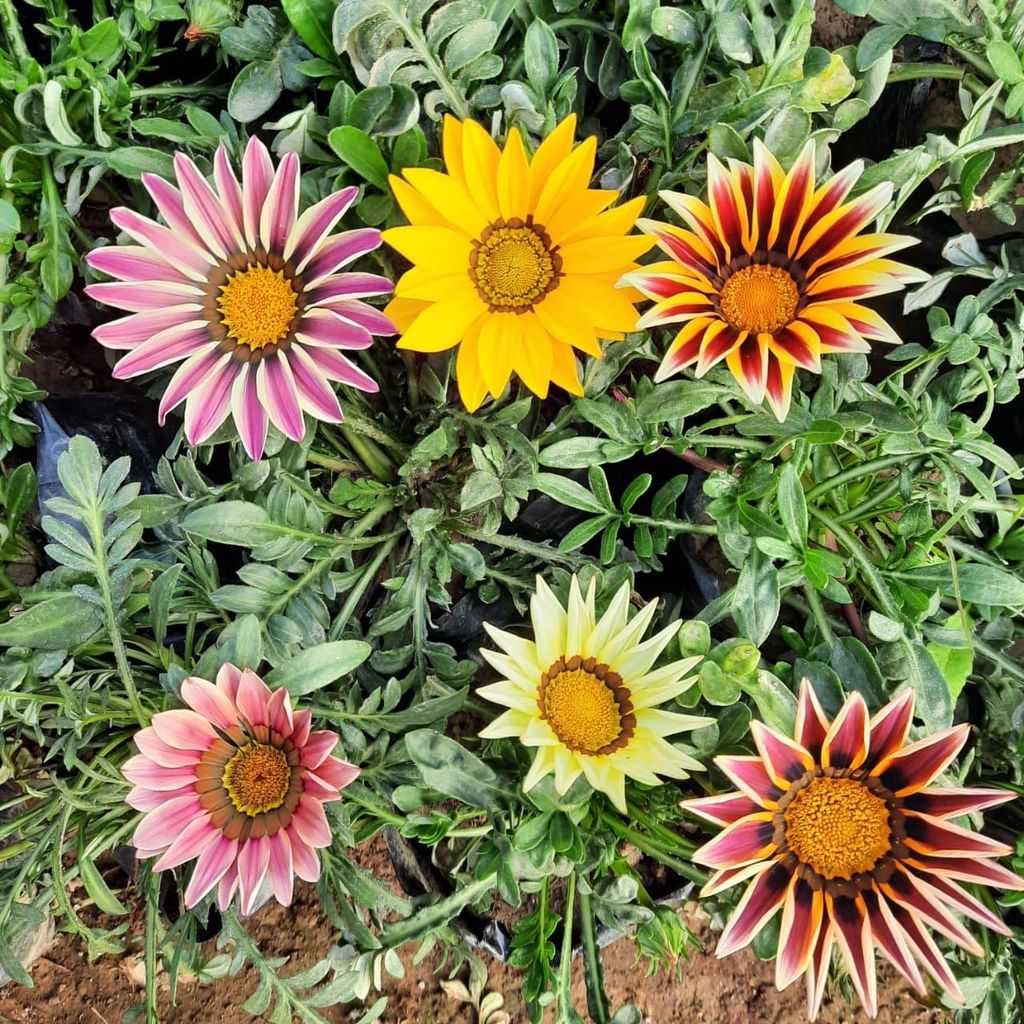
x=610, y=625
x=549, y=625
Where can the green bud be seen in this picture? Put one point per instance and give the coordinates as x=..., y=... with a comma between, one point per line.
x=694, y=638
x=208, y=18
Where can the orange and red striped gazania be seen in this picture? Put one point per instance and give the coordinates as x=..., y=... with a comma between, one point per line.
x=768, y=274
x=841, y=829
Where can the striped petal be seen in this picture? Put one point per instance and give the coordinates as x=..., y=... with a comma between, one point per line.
x=161, y=349
x=938, y=838
x=134, y=263
x=951, y=803
x=130, y=331
x=281, y=205
x=724, y=809
x=314, y=225
x=811, y=723
x=334, y=366
x=191, y=260
x=758, y=905
x=785, y=760
x=275, y=385
x=257, y=176
x=853, y=934
x=846, y=745
x=212, y=863
x=890, y=727
x=205, y=209
x=802, y=918
x=316, y=396
x=913, y=767
x=141, y=296
x=745, y=841
x=250, y=416
x=209, y=404
x=750, y=774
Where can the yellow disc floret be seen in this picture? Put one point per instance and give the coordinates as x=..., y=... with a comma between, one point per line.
x=513, y=266
x=257, y=778
x=760, y=298
x=257, y=306
x=587, y=711
x=838, y=826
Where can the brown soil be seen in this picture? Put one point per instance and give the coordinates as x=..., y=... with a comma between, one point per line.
x=70, y=990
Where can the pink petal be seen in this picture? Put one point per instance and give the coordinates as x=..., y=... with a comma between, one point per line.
x=916, y=765
x=134, y=263
x=281, y=205
x=173, y=247
x=925, y=904
x=249, y=415
x=140, y=296
x=167, y=347
x=937, y=838
x=149, y=800
x=205, y=209
x=210, y=702
x=951, y=803
x=188, y=842
x=316, y=396
x=228, y=678
x=130, y=331
x=742, y=842
x=335, y=366
x=924, y=949
x=171, y=204
x=817, y=969
x=162, y=753
x=161, y=827
x=304, y=858
x=967, y=904
x=811, y=723
x=253, y=861
x=337, y=252
x=846, y=745
x=314, y=225
x=337, y=773
x=785, y=759
x=253, y=699
x=348, y=286
x=280, y=708
x=361, y=314
x=317, y=748
x=798, y=935
x=276, y=388
x=281, y=870
x=889, y=728
x=143, y=772
x=208, y=405
x=724, y=809
x=726, y=878
x=301, y=722
x=316, y=789
x=966, y=869
x=229, y=190
x=212, y=863
x=891, y=939
x=321, y=327
x=257, y=174
x=226, y=887
x=758, y=904
x=184, y=729
x=750, y=775
x=189, y=376
x=310, y=821
x=853, y=933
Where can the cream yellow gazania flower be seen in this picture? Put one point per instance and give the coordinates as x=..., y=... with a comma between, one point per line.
x=515, y=260
x=584, y=692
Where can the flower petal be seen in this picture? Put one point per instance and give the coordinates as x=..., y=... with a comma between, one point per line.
x=745, y=841
x=212, y=863
x=846, y=745
x=757, y=906
x=915, y=766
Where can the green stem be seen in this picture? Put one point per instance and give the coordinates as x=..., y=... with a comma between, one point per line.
x=355, y=595
x=523, y=547
x=151, y=887
x=437, y=914
x=818, y=611
x=566, y=1011
x=12, y=29
x=909, y=72
x=854, y=473
x=597, y=999
x=654, y=849
x=370, y=454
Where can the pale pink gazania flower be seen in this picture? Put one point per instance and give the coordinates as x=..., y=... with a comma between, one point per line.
x=245, y=293
x=237, y=782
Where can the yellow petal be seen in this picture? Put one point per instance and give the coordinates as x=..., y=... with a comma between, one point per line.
x=499, y=334
x=480, y=156
x=451, y=147
x=430, y=283
x=401, y=312
x=570, y=177
x=603, y=255
x=449, y=197
x=442, y=325
x=550, y=153
x=559, y=318
x=435, y=246
x=514, y=178
x=618, y=221
x=564, y=370
x=603, y=306
x=533, y=357
x=472, y=387
x=580, y=214
x=415, y=207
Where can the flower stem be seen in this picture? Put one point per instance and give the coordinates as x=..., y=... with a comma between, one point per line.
x=597, y=1000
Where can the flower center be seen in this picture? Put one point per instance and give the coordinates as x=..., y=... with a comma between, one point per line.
x=257, y=306
x=838, y=826
x=586, y=706
x=257, y=778
x=514, y=265
x=760, y=298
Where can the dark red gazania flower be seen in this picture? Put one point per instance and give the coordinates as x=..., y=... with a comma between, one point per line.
x=769, y=273
x=841, y=830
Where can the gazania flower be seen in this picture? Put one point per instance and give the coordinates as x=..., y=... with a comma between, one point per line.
x=237, y=783
x=245, y=293
x=584, y=692
x=514, y=260
x=770, y=272
x=840, y=828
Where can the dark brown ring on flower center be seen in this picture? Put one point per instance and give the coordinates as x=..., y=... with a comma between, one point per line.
x=855, y=882
x=599, y=692
x=220, y=275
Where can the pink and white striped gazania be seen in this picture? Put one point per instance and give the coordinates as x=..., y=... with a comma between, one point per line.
x=245, y=293
x=841, y=829
x=237, y=781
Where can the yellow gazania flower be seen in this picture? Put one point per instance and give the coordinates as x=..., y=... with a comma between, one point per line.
x=515, y=260
x=584, y=693
x=769, y=273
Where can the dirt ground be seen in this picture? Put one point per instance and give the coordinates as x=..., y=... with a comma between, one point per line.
x=70, y=990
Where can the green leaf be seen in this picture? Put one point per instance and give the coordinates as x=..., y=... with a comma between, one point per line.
x=735, y=36
x=134, y=161
x=824, y=432
x=674, y=25
x=312, y=20
x=255, y=90
x=361, y=153
x=568, y=492
x=540, y=55
x=314, y=669
x=979, y=584
x=756, y=598
x=98, y=890
x=52, y=625
x=161, y=595
x=876, y=43
x=1005, y=62
x=231, y=522
x=793, y=505
x=469, y=43
x=56, y=116
x=451, y=769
